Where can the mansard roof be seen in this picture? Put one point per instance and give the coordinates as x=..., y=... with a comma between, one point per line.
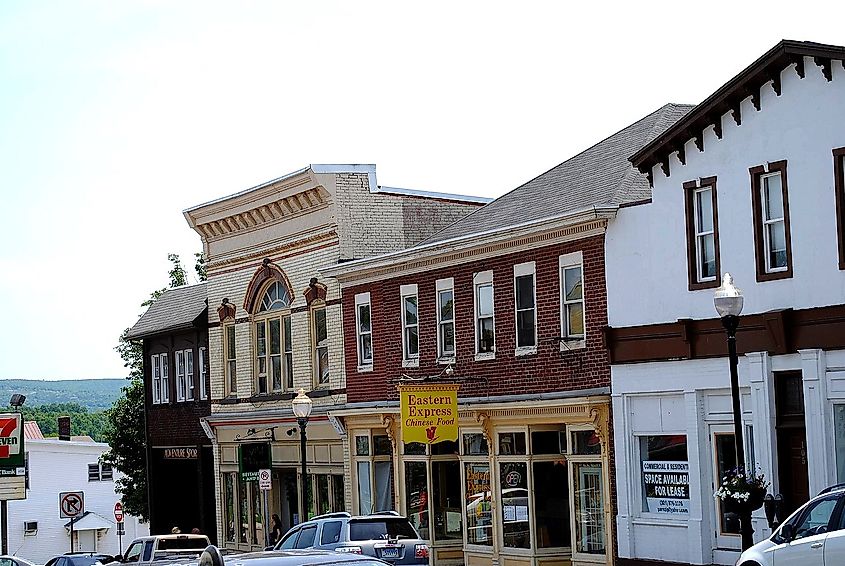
x=179, y=308
x=766, y=69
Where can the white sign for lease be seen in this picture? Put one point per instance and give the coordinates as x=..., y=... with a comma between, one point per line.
x=666, y=487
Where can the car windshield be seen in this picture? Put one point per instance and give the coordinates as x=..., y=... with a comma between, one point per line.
x=82, y=560
x=380, y=528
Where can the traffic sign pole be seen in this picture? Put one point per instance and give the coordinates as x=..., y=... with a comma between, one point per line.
x=118, y=517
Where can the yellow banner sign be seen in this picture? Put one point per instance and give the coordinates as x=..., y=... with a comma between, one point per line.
x=429, y=412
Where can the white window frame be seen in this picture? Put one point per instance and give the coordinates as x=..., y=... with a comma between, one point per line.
x=700, y=234
x=155, y=378
x=363, y=299
x=181, y=375
x=570, y=342
x=481, y=279
x=442, y=286
x=766, y=223
x=230, y=365
x=203, y=361
x=190, y=384
x=317, y=347
x=409, y=359
x=165, y=378
x=521, y=270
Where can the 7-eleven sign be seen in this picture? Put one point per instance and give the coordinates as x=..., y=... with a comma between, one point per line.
x=11, y=440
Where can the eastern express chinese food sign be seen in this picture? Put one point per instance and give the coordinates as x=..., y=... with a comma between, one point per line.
x=429, y=412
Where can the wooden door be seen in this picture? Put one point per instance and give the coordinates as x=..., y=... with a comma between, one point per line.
x=792, y=467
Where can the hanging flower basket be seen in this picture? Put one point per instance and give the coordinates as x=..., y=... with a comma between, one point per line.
x=742, y=491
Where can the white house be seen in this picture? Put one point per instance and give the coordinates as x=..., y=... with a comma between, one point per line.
x=749, y=182
x=36, y=532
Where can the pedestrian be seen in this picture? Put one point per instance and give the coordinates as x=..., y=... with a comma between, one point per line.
x=276, y=533
x=195, y=531
x=175, y=531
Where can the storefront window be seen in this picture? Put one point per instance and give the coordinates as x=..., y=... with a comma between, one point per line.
x=362, y=445
x=513, y=478
x=414, y=449
x=375, y=473
x=323, y=501
x=257, y=526
x=665, y=475
x=416, y=496
x=446, y=487
x=586, y=442
x=511, y=443
x=384, y=486
x=230, y=506
x=551, y=504
x=445, y=448
x=243, y=531
x=725, y=461
x=839, y=438
x=548, y=441
x=475, y=445
x=382, y=446
x=338, y=495
x=479, y=514
x=589, y=508
x=365, y=496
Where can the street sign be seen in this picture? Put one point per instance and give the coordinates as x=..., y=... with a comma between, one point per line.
x=71, y=504
x=121, y=530
x=118, y=512
x=265, y=480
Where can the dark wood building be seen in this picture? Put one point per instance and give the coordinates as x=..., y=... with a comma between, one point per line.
x=174, y=332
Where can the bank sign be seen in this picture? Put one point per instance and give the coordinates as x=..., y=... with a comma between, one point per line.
x=666, y=487
x=429, y=412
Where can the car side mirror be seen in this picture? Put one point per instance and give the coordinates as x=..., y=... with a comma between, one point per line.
x=787, y=532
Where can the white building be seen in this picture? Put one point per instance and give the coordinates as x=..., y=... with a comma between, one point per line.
x=749, y=182
x=36, y=532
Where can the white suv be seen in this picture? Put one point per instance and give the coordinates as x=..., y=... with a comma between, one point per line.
x=812, y=536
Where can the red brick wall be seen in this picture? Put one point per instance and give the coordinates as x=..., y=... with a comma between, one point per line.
x=547, y=371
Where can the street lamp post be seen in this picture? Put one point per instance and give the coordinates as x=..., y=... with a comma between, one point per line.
x=728, y=301
x=302, y=409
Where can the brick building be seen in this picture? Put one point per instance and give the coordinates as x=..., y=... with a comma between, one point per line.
x=511, y=303
x=275, y=327
x=174, y=332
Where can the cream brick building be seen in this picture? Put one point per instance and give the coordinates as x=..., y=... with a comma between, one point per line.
x=276, y=326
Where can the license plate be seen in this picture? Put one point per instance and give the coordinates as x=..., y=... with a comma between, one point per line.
x=390, y=552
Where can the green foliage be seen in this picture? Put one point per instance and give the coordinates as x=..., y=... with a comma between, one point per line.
x=82, y=422
x=93, y=394
x=199, y=266
x=178, y=276
x=127, y=443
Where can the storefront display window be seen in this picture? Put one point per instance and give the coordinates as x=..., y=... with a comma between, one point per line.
x=257, y=527
x=475, y=445
x=374, y=472
x=446, y=487
x=664, y=473
x=365, y=495
x=382, y=446
x=338, y=495
x=384, y=486
x=362, y=445
x=513, y=479
x=725, y=461
x=548, y=441
x=589, y=508
x=839, y=439
x=243, y=530
x=479, y=514
x=414, y=449
x=511, y=443
x=585, y=442
x=230, y=506
x=416, y=496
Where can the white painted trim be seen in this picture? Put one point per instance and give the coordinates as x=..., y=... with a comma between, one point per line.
x=527, y=268
x=574, y=259
x=409, y=290
x=445, y=284
x=441, y=285
x=483, y=277
x=521, y=270
x=432, y=194
x=285, y=177
x=362, y=299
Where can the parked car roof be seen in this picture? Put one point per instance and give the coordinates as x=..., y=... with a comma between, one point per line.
x=304, y=557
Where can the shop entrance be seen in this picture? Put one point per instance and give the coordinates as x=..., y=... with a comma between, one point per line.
x=285, y=500
x=791, y=439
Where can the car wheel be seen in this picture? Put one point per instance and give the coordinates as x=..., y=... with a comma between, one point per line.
x=750, y=563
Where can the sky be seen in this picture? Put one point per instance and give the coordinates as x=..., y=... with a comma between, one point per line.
x=117, y=116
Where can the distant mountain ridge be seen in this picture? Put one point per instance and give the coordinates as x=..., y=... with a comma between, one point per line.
x=93, y=394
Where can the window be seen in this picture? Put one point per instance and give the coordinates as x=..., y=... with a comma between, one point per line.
x=231, y=367
x=100, y=472
x=571, y=299
x=243, y=512
x=364, y=329
x=331, y=532
x=772, y=237
x=325, y=494
x=445, y=289
x=485, y=328
x=306, y=537
x=702, y=233
x=665, y=475
x=816, y=518
x=273, y=358
x=526, y=307
x=320, y=337
x=478, y=505
x=839, y=187
x=433, y=490
x=184, y=375
x=203, y=374
x=374, y=470
x=410, y=326
x=159, y=378
x=839, y=440
x=133, y=553
x=725, y=449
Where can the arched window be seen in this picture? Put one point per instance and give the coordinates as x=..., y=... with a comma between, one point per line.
x=273, y=340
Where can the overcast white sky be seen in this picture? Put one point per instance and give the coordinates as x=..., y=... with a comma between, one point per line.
x=116, y=116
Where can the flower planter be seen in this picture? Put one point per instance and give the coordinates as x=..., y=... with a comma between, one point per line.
x=755, y=501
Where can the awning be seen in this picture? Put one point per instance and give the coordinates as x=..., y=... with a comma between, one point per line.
x=89, y=521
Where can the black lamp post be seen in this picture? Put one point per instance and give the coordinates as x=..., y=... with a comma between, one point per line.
x=728, y=301
x=302, y=409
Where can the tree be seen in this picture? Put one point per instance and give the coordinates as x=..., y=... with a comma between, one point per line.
x=126, y=433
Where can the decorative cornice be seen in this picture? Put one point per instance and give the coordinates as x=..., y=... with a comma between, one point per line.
x=281, y=209
x=416, y=261
x=283, y=250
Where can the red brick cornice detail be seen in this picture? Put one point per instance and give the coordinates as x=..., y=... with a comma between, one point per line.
x=266, y=273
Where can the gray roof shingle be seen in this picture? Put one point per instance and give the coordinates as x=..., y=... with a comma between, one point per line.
x=177, y=308
x=600, y=175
